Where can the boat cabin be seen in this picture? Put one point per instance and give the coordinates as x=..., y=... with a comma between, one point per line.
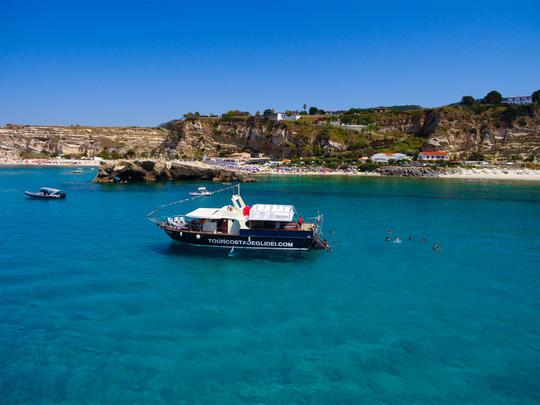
x=238, y=218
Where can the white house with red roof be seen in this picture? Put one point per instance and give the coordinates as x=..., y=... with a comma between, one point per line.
x=433, y=156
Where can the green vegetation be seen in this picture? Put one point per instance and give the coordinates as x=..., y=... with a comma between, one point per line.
x=110, y=155
x=493, y=97
x=468, y=100
x=410, y=145
x=337, y=134
x=477, y=157
x=536, y=97
x=511, y=112
x=35, y=155
x=357, y=117
x=236, y=115
x=73, y=155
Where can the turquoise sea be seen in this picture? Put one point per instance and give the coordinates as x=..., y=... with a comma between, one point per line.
x=97, y=305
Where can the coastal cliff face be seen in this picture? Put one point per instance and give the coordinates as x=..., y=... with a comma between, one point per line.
x=216, y=137
x=492, y=131
x=455, y=129
x=18, y=141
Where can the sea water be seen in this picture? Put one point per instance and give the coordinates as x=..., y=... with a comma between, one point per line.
x=98, y=305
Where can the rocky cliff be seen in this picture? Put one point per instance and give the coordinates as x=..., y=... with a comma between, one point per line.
x=123, y=171
x=76, y=141
x=493, y=131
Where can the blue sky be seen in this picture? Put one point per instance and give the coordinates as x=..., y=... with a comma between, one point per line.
x=143, y=62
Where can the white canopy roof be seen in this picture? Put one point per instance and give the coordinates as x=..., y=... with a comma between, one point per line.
x=271, y=212
x=203, y=213
x=226, y=212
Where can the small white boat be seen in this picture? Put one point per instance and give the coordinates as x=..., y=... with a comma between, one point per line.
x=46, y=193
x=201, y=191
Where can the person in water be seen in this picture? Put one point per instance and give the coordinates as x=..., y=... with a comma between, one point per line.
x=397, y=240
x=436, y=248
x=424, y=240
x=411, y=237
x=388, y=239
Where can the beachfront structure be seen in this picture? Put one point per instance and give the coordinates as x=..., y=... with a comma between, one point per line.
x=520, y=100
x=385, y=158
x=433, y=156
x=284, y=117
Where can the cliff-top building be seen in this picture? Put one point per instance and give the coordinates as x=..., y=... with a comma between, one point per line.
x=520, y=100
x=284, y=117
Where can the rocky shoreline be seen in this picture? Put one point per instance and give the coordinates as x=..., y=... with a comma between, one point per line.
x=125, y=171
x=408, y=171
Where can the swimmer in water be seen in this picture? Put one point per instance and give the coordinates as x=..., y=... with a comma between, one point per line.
x=388, y=239
x=424, y=240
x=397, y=240
x=390, y=230
x=411, y=237
x=436, y=248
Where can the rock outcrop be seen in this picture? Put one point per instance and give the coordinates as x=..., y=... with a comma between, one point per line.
x=124, y=171
x=407, y=171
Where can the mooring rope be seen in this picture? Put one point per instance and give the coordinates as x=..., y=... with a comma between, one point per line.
x=151, y=213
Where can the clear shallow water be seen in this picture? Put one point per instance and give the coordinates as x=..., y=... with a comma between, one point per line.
x=97, y=305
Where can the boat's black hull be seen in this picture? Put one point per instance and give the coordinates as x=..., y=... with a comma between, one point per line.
x=297, y=242
x=37, y=196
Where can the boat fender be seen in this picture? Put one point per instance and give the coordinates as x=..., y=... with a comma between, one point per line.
x=198, y=236
x=180, y=233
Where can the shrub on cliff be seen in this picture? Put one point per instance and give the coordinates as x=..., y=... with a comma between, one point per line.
x=236, y=115
x=477, y=157
x=357, y=117
x=512, y=112
x=468, y=100
x=536, y=97
x=367, y=167
x=493, y=97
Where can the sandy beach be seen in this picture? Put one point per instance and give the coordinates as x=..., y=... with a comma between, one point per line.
x=48, y=162
x=490, y=173
x=460, y=173
x=494, y=174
